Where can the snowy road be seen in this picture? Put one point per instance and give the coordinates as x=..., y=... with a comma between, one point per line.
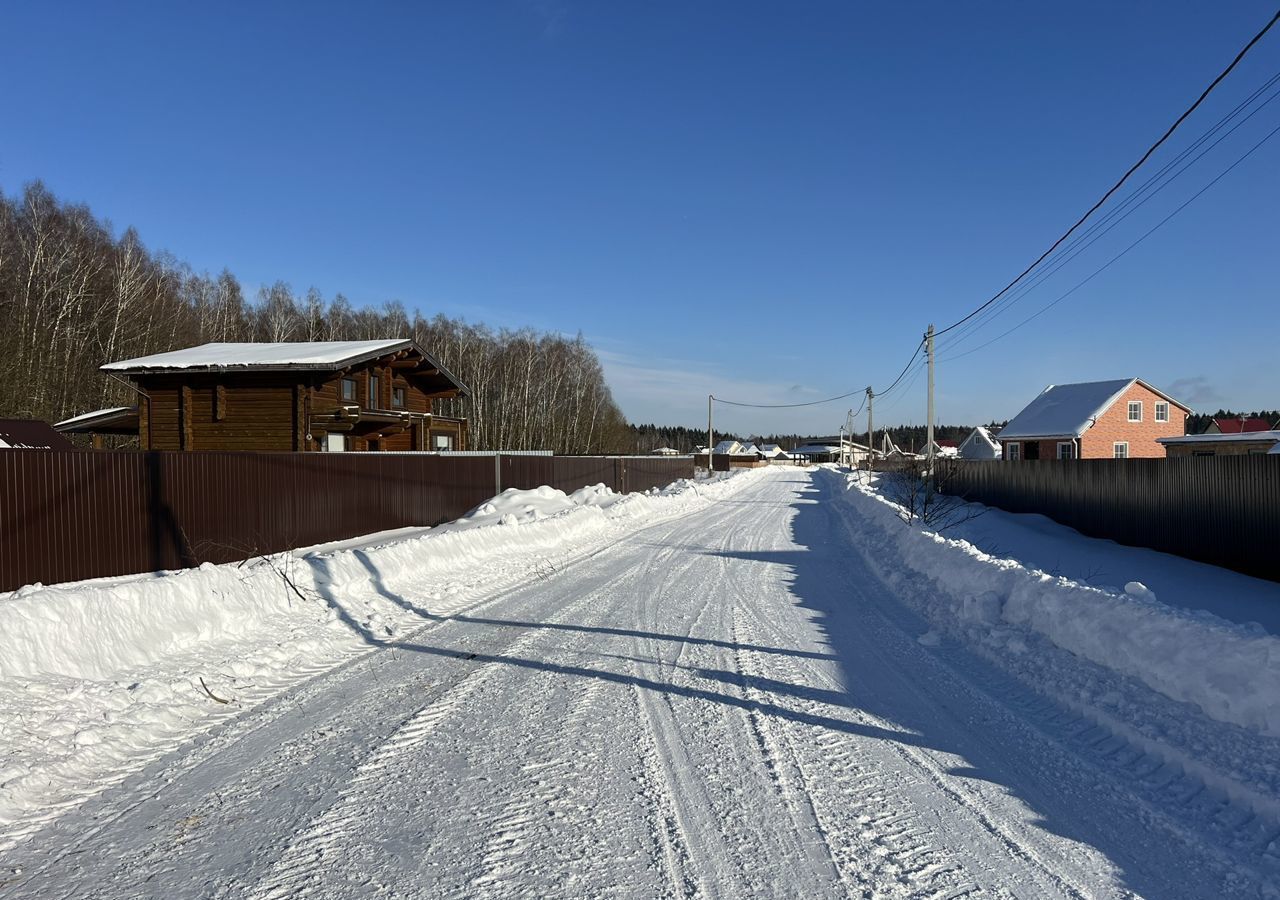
x=729, y=705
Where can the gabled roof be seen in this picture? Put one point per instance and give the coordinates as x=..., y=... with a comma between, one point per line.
x=31, y=434
x=1068, y=410
x=979, y=444
x=1235, y=425
x=727, y=447
x=311, y=356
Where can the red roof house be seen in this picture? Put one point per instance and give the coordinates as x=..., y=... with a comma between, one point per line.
x=1239, y=425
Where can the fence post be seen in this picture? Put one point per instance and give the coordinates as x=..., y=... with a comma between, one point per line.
x=497, y=474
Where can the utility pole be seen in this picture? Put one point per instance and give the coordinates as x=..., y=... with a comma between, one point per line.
x=871, y=445
x=928, y=337
x=710, y=463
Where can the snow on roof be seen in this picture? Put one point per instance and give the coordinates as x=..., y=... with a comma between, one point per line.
x=1065, y=410
x=729, y=447
x=295, y=354
x=815, y=449
x=979, y=444
x=1249, y=437
x=109, y=412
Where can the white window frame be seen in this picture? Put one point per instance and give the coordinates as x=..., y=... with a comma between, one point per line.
x=1132, y=404
x=1013, y=451
x=1161, y=413
x=1120, y=450
x=1070, y=447
x=442, y=442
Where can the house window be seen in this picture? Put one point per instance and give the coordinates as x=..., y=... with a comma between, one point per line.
x=1135, y=410
x=335, y=443
x=1203, y=453
x=1066, y=449
x=349, y=389
x=397, y=398
x=1012, y=451
x=375, y=388
x=442, y=441
x=1120, y=450
x=1162, y=412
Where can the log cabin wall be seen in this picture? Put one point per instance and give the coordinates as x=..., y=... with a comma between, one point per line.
x=220, y=412
x=247, y=410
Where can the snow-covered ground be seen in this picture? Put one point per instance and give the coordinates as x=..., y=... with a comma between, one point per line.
x=771, y=687
x=98, y=678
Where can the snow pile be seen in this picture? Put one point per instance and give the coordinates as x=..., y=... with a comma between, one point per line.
x=97, y=678
x=1230, y=671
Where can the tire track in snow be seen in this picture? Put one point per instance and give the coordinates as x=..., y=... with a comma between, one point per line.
x=896, y=848
x=307, y=854
x=1174, y=791
x=697, y=745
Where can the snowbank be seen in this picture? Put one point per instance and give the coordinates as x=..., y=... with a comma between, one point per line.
x=99, y=677
x=1230, y=671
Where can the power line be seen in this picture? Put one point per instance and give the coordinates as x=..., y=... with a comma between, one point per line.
x=828, y=399
x=1115, y=187
x=1123, y=252
x=785, y=405
x=886, y=391
x=1128, y=207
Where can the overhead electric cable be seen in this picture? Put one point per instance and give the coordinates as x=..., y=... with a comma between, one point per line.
x=784, y=405
x=886, y=391
x=1123, y=252
x=1127, y=207
x=1115, y=187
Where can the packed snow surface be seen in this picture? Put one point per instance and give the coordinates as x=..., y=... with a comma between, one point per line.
x=767, y=686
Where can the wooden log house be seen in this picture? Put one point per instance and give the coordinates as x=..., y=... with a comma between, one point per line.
x=301, y=396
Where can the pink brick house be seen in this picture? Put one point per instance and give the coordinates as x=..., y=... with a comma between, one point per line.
x=1094, y=420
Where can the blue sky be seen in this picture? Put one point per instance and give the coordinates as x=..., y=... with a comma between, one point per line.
x=765, y=200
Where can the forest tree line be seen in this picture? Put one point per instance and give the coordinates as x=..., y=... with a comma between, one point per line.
x=74, y=296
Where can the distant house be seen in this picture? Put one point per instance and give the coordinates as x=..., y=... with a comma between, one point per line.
x=665, y=451
x=30, y=434
x=305, y=396
x=817, y=453
x=979, y=445
x=1243, y=443
x=1239, y=425
x=728, y=448
x=1094, y=420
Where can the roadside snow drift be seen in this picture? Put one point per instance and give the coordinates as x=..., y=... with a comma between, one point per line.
x=97, y=678
x=1230, y=671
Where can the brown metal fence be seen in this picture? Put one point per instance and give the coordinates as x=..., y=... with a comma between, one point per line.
x=70, y=516
x=1223, y=510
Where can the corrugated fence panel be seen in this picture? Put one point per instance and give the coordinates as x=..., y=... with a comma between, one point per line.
x=71, y=516
x=645, y=473
x=1223, y=510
